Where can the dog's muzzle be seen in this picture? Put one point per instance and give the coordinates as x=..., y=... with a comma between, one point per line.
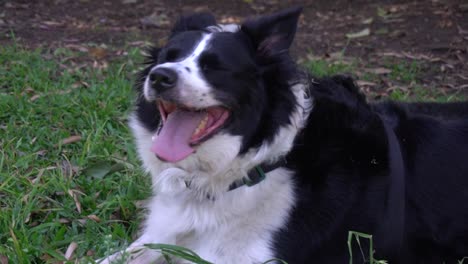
x=162, y=79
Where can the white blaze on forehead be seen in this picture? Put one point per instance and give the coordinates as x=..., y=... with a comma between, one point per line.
x=201, y=45
x=224, y=28
x=192, y=88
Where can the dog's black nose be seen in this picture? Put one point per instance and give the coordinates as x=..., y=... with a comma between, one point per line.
x=163, y=79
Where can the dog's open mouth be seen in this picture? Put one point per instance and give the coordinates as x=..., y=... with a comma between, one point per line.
x=184, y=127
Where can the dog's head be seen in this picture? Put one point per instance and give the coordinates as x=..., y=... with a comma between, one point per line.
x=216, y=92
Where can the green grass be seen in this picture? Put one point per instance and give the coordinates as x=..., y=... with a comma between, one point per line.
x=356, y=236
x=53, y=194
x=405, y=72
x=321, y=68
x=405, y=77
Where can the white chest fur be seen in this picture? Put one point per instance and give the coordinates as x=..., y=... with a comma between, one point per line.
x=243, y=220
x=238, y=227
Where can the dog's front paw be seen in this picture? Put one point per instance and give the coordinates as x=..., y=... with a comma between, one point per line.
x=132, y=255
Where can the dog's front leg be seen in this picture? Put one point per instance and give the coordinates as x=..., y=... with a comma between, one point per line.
x=136, y=253
x=165, y=221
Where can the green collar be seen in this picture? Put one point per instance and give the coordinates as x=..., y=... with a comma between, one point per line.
x=256, y=175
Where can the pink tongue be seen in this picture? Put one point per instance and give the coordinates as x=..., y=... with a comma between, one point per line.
x=172, y=143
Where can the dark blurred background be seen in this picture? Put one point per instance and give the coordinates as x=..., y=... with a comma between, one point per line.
x=368, y=34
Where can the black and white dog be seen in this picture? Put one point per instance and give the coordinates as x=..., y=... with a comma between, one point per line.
x=251, y=159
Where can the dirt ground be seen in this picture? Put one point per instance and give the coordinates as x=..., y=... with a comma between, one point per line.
x=433, y=33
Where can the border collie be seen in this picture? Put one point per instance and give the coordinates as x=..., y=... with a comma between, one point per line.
x=251, y=159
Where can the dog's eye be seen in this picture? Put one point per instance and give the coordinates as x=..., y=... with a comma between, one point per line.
x=205, y=67
x=209, y=62
x=172, y=55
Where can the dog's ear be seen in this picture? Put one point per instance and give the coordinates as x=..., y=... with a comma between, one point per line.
x=196, y=21
x=273, y=34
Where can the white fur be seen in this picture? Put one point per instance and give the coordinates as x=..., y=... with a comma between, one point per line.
x=224, y=28
x=242, y=220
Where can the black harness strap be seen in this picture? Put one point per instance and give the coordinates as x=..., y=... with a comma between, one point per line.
x=391, y=233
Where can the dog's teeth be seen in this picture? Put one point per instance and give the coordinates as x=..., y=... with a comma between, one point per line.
x=201, y=125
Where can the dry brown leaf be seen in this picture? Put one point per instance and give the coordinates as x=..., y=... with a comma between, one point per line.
x=378, y=70
x=82, y=221
x=410, y=56
x=396, y=87
x=71, y=139
x=28, y=218
x=3, y=259
x=77, y=47
x=51, y=23
x=28, y=90
x=68, y=169
x=73, y=194
x=415, y=56
x=38, y=176
x=85, y=84
x=64, y=221
x=368, y=21
x=462, y=77
x=138, y=43
x=94, y=218
x=25, y=198
x=70, y=250
x=41, y=152
x=100, y=65
x=392, y=54
x=97, y=53
x=35, y=97
x=365, y=83
x=363, y=33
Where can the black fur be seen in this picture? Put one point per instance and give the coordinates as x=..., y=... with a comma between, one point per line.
x=193, y=22
x=444, y=111
x=342, y=167
x=344, y=160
